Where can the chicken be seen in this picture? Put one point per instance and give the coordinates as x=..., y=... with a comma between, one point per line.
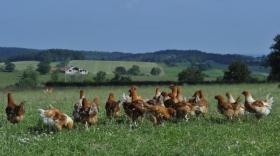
x=112, y=107
x=200, y=104
x=156, y=98
x=180, y=95
x=89, y=111
x=224, y=108
x=78, y=106
x=172, y=100
x=173, y=94
x=134, y=109
x=126, y=98
x=230, y=98
x=239, y=110
x=15, y=113
x=159, y=113
x=165, y=96
x=48, y=90
x=96, y=102
x=54, y=117
x=184, y=110
x=136, y=97
x=259, y=107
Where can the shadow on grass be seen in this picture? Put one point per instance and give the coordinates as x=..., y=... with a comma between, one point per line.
x=119, y=121
x=216, y=120
x=41, y=128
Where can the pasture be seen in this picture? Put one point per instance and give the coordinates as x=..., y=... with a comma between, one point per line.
x=212, y=135
x=169, y=73
x=93, y=66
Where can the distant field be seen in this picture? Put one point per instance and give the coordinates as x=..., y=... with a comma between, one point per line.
x=94, y=66
x=7, y=79
x=109, y=66
x=169, y=73
x=212, y=135
x=21, y=65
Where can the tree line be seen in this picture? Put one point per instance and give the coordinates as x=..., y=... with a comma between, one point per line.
x=237, y=71
x=163, y=56
x=50, y=55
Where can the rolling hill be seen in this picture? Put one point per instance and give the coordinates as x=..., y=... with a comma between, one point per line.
x=163, y=56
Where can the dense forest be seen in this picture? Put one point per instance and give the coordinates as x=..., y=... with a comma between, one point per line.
x=21, y=54
x=164, y=56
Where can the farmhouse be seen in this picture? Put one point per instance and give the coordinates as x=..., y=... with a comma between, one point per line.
x=74, y=70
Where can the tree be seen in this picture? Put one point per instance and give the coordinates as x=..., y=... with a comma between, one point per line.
x=120, y=70
x=273, y=60
x=100, y=76
x=120, y=78
x=29, y=78
x=191, y=75
x=55, y=76
x=155, y=71
x=237, y=72
x=43, y=67
x=9, y=66
x=134, y=70
x=64, y=63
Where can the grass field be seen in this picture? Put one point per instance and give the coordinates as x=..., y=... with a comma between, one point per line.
x=212, y=135
x=109, y=66
x=94, y=66
x=169, y=73
x=7, y=79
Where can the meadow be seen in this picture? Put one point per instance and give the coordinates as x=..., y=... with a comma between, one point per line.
x=212, y=135
x=169, y=73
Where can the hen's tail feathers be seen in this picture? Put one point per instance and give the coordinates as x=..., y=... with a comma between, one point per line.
x=10, y=100
x=269, y=100
x=41, y=112
x=197, y=99
x=69, y=122
x=126, y=98
x=238, y=100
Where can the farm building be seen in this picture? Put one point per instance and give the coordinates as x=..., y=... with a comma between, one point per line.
x=74, y=70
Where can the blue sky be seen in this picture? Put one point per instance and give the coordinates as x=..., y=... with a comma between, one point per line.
x=221, y=26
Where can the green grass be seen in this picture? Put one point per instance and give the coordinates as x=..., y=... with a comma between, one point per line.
x=7, y=78
x=212, y=135
x=10, y=78
x=21, y=65
x=109, y=66
x=169, y=73
x=213, y=74
x=93, y=67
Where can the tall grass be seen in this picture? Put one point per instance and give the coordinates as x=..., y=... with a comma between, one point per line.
x=212, y=135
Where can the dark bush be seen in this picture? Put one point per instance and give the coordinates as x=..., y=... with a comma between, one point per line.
x=155, y=71
x=120, y=70
x=100, y=76
x=237, y=72
x=43, y=67
x=29, y=78
x=191, y=75
x=134, y=70
x=55, y=76
x=9, y=66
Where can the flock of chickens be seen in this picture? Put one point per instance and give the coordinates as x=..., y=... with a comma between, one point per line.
x=162, y=107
